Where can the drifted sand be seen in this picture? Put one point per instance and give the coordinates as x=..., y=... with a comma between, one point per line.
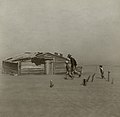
x=31, y=96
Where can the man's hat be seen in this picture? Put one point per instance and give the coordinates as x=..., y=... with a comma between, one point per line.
x=69, y=55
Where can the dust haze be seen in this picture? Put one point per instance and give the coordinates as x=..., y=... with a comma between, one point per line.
x=87, y=29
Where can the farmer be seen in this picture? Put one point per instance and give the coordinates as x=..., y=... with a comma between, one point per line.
x=68, y=70
x=101, y=71
x=73, y=65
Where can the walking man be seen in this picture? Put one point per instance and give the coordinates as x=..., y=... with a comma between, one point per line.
x=73, y=65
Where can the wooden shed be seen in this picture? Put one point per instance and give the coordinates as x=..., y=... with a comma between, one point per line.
x=35, y=63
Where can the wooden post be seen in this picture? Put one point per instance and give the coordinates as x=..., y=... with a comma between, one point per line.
x=53, y=65
x=108, y=76
x=19, y=68
x=3, y=69
x=44, y=68
x=93, y=77
x=51, y=84
x=84, y=82
x=88, y=78
x=47, y=63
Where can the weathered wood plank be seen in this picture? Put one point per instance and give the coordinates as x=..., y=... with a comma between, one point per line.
x=6, y=67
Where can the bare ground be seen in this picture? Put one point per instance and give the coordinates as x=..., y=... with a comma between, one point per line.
x=31, y=96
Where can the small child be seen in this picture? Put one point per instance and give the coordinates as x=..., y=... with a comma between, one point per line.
x=81, y=71
x=68, y=70
x=101, y=71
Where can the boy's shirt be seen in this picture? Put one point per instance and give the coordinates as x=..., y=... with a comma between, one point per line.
x=67, y=67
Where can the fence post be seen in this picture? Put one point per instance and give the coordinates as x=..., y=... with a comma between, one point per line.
x=51, y=84
x=93, y=77
x=88, y=78
x=108, y=76
x=3, y=70
x=84, y=82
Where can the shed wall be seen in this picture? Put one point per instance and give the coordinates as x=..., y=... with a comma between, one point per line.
x=27, y=67
x=10, y=68
x=59, y=66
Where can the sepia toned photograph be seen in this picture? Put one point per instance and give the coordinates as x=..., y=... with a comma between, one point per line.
x=59, y=58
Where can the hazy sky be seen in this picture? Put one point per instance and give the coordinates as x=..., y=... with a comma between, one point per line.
x=88, y=29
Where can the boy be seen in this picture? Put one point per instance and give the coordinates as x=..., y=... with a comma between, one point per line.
x=68, y=69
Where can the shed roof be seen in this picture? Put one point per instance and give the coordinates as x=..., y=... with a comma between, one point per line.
x=45, y=55
x=30, y=55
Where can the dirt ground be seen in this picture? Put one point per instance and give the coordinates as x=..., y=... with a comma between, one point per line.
x=31, y=96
